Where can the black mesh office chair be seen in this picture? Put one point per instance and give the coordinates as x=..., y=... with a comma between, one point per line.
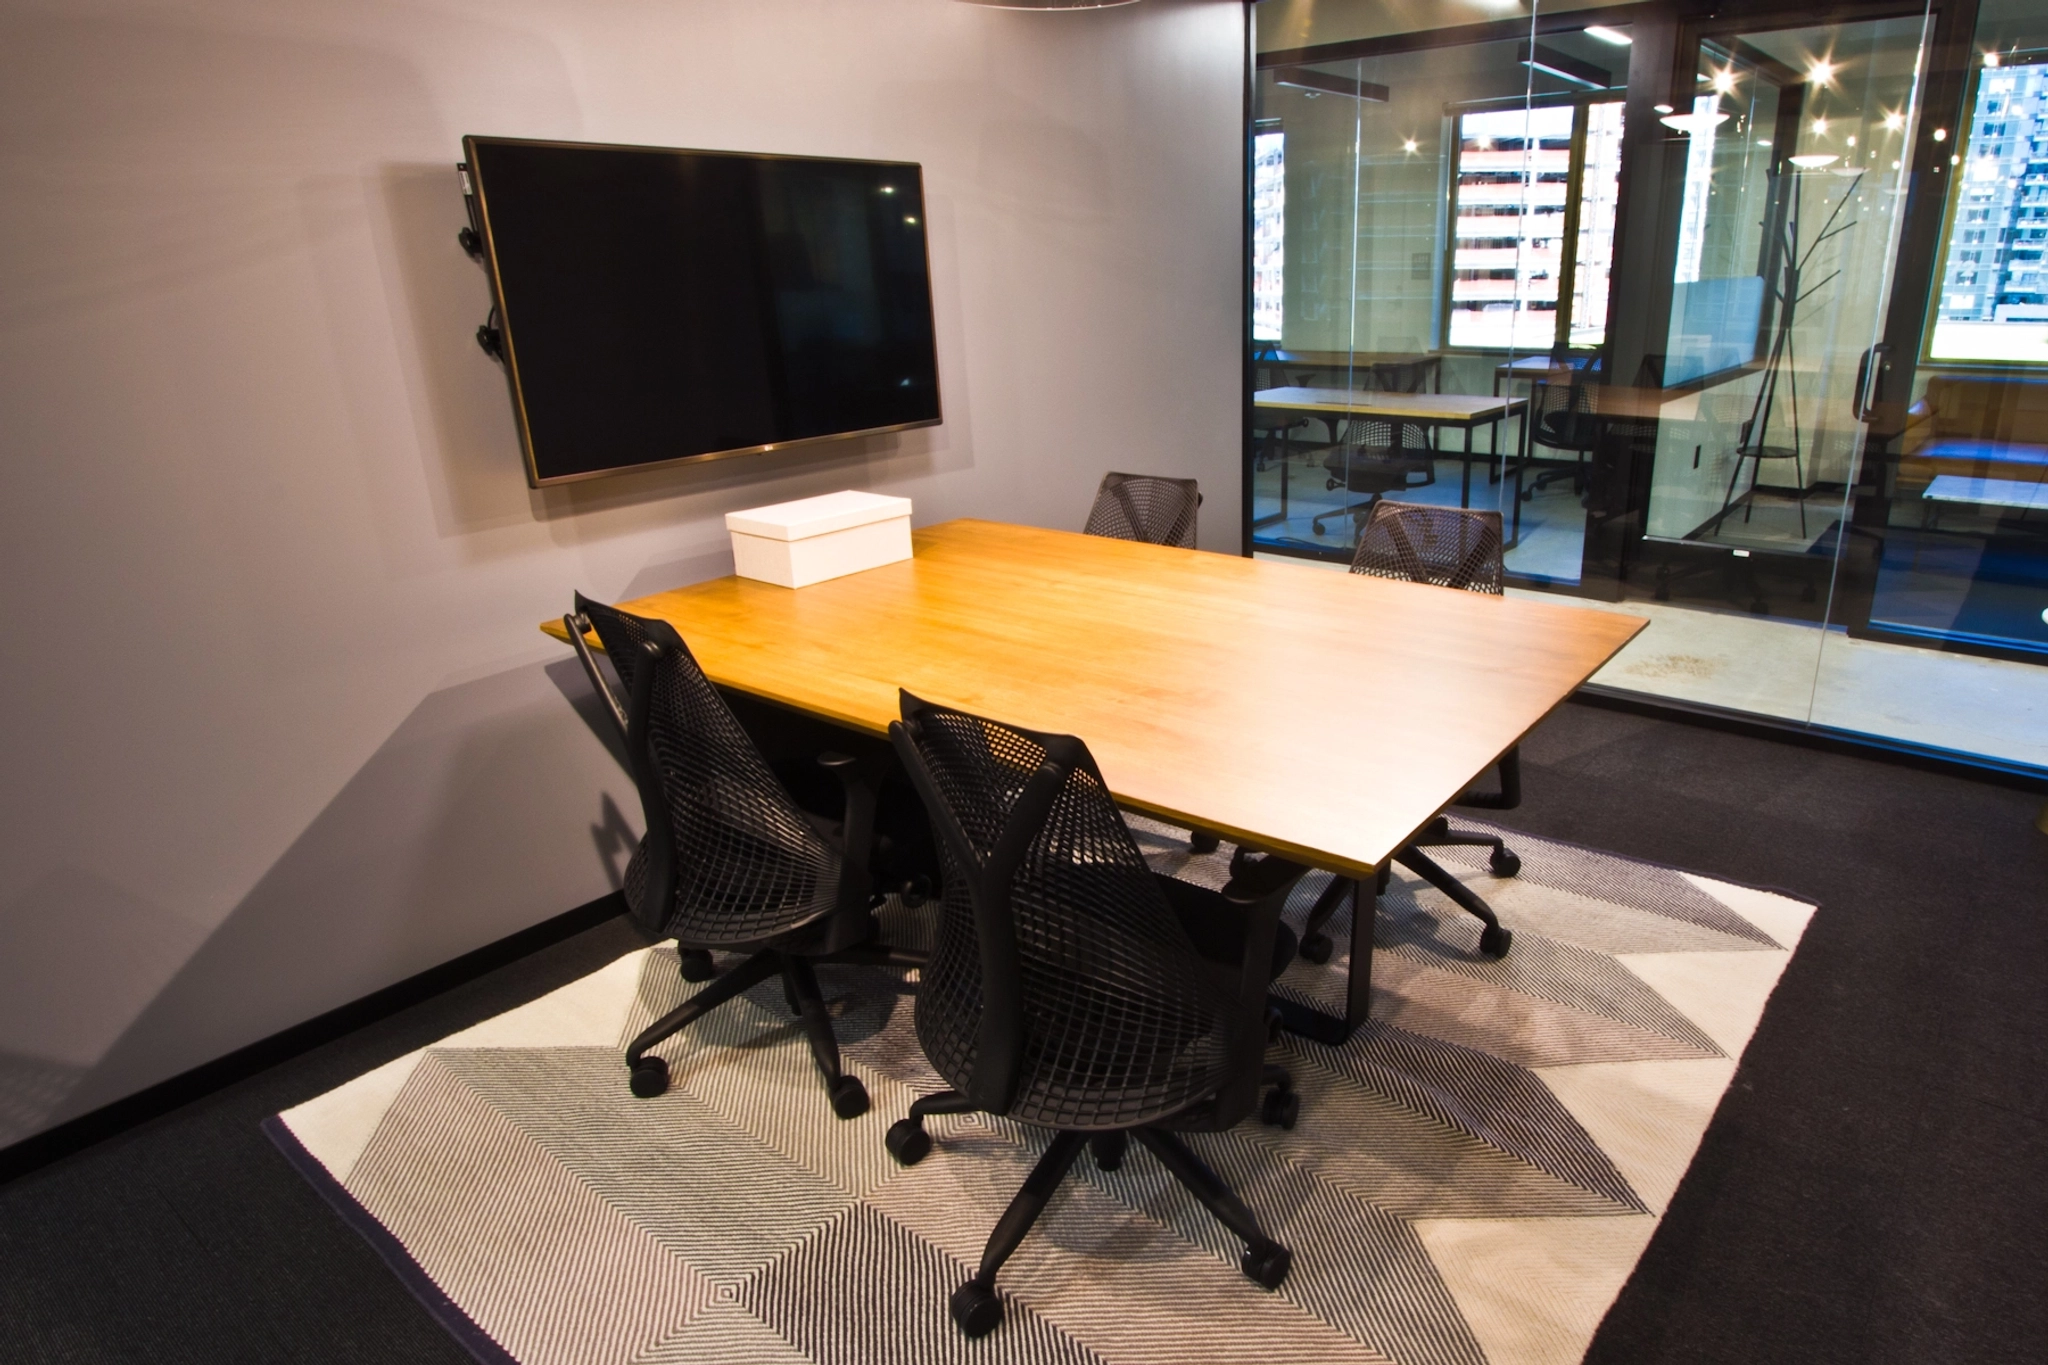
x=1376, y=457
x=1073, y=989
x=1448, y=547
x=1147, y=507
x=1561, y=419
x=730, y=861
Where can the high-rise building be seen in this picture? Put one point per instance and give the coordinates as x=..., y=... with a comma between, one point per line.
x=1994, y=271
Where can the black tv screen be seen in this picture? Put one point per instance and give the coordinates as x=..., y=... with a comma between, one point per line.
x=657, y=305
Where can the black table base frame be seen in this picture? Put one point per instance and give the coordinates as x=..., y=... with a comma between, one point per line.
x=1306, y=1021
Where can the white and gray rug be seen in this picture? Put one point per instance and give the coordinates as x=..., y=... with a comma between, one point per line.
x=1474, y=1175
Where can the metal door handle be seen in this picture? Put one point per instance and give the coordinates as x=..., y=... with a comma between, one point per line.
x=1869, y=379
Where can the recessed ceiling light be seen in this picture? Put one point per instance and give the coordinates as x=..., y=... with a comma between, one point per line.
x=1821, y=73
x=1608, y=35
x=1820, y=126
x=1693, y=124
x=1662, y=108
x=1991, y=60
x=1893, y=121
x=1814, y=161
x=1408, y=144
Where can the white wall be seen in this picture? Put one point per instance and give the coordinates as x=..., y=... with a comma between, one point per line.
x=279, y=729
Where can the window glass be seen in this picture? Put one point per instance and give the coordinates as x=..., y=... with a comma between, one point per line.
x=1269, y=234
x=1991, y=303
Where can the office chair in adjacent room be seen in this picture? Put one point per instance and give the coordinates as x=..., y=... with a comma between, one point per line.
x=730, y=861
x=1375, y=457
x=1074, y=989
x=1560, y=418
x=1448, y=547
x=1147, y=507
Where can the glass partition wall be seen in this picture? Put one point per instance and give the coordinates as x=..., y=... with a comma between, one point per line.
x=1736, y=313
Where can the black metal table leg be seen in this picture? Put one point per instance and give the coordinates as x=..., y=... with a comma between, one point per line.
x=1321, y=1026
x=1465, y=487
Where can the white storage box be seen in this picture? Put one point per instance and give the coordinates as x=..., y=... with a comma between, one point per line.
x=810, y=540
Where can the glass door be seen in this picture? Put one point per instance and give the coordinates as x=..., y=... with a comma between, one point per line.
x=1784, y=162
x=1428, y=221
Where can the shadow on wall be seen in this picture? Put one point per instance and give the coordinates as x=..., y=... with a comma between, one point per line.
x=488, y=810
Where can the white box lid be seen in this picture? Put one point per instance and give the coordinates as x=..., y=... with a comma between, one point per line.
x=807, y=517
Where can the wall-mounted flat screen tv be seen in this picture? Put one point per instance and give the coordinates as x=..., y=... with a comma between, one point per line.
x=656, y=305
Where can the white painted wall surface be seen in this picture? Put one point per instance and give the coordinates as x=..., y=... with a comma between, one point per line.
x=279, y=729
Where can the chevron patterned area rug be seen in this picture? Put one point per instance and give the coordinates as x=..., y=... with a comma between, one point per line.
x=1474, y=1174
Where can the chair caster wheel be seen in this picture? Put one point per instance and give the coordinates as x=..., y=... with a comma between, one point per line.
x=977, y=1309
x=1316, y=948
x=915, y=892
x=908, y=1142
x=649, y=1077
x=849, y=1097
x=1494, y=940
x=697, y=965
x=1264, y=1263
x=1108, y=1150
x=1279, y=1109
x=1204, y=843
x=1318, y=527
x=1504, y=863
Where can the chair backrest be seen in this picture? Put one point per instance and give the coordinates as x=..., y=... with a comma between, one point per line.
x=1057, y=952
x=1561, y=415
x=1378, y=436
x=728, y=856
x=611, y=625
x=1451, y=547
x=1147, y=507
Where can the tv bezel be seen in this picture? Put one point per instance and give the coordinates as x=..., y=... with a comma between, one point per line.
x=474, y=196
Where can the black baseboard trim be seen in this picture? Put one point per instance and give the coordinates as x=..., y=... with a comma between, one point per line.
x=1818, y=737
x=74, y=1135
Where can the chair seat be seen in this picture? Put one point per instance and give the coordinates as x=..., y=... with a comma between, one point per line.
x=742, y=916
x=1100, y=1063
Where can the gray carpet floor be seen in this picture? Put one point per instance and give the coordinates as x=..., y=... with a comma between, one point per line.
x=1868, y=1190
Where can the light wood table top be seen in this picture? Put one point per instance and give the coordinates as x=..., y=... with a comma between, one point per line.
x=1446, y=409
x=1323, y=716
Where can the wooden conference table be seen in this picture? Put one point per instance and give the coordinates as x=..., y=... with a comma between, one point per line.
x=1320, y=716
x=1463, y=411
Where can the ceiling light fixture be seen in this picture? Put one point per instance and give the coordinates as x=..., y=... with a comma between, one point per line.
x=1893, y=121
x=1820, y=73
x=1693, y=124
x=1325, y=83
x=1607, y=35
x=1551, y=62
x=1408, y=144
x=1813, y=161
x=1991, y=60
